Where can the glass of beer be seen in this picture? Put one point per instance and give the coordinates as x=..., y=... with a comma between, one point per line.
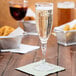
x=65, y=12
x=44, y=19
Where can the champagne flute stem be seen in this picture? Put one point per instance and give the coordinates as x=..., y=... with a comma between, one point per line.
x=43, y=47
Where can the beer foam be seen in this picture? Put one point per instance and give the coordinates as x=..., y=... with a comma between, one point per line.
x=66, y=5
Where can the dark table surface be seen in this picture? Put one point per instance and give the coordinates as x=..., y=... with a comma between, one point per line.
x=56, y=54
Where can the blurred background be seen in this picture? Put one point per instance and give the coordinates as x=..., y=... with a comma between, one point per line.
x=6, y=19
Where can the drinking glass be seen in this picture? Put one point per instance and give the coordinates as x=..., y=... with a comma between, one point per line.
x=18, y=9
x=65, y=12
x=44, y=19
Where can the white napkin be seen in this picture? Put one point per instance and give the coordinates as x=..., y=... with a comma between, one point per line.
x=23, y=49
x=62, y=26
x=31, y=13
x=31, y=69
x=16, y=32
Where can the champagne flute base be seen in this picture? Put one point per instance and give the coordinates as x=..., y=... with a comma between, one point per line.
x=43, y=66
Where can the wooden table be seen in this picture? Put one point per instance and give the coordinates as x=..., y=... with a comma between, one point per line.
x=56, y=54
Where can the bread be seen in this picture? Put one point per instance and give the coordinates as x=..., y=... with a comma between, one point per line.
x=27, y=18
x=6, y=30
x=68, y=28
x=70, y=36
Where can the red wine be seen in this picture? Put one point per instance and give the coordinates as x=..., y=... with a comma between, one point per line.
x=18, y=13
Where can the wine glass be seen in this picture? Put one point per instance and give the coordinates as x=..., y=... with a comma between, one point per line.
x=18, y=9
x=44, y=18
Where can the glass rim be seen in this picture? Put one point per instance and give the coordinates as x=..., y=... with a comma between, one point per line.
x=65, y=2
x=44, y=6
x=13, y=2
x=42, y=3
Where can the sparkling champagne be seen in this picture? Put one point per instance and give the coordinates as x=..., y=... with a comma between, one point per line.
x=44, y=22
x=44, y=13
